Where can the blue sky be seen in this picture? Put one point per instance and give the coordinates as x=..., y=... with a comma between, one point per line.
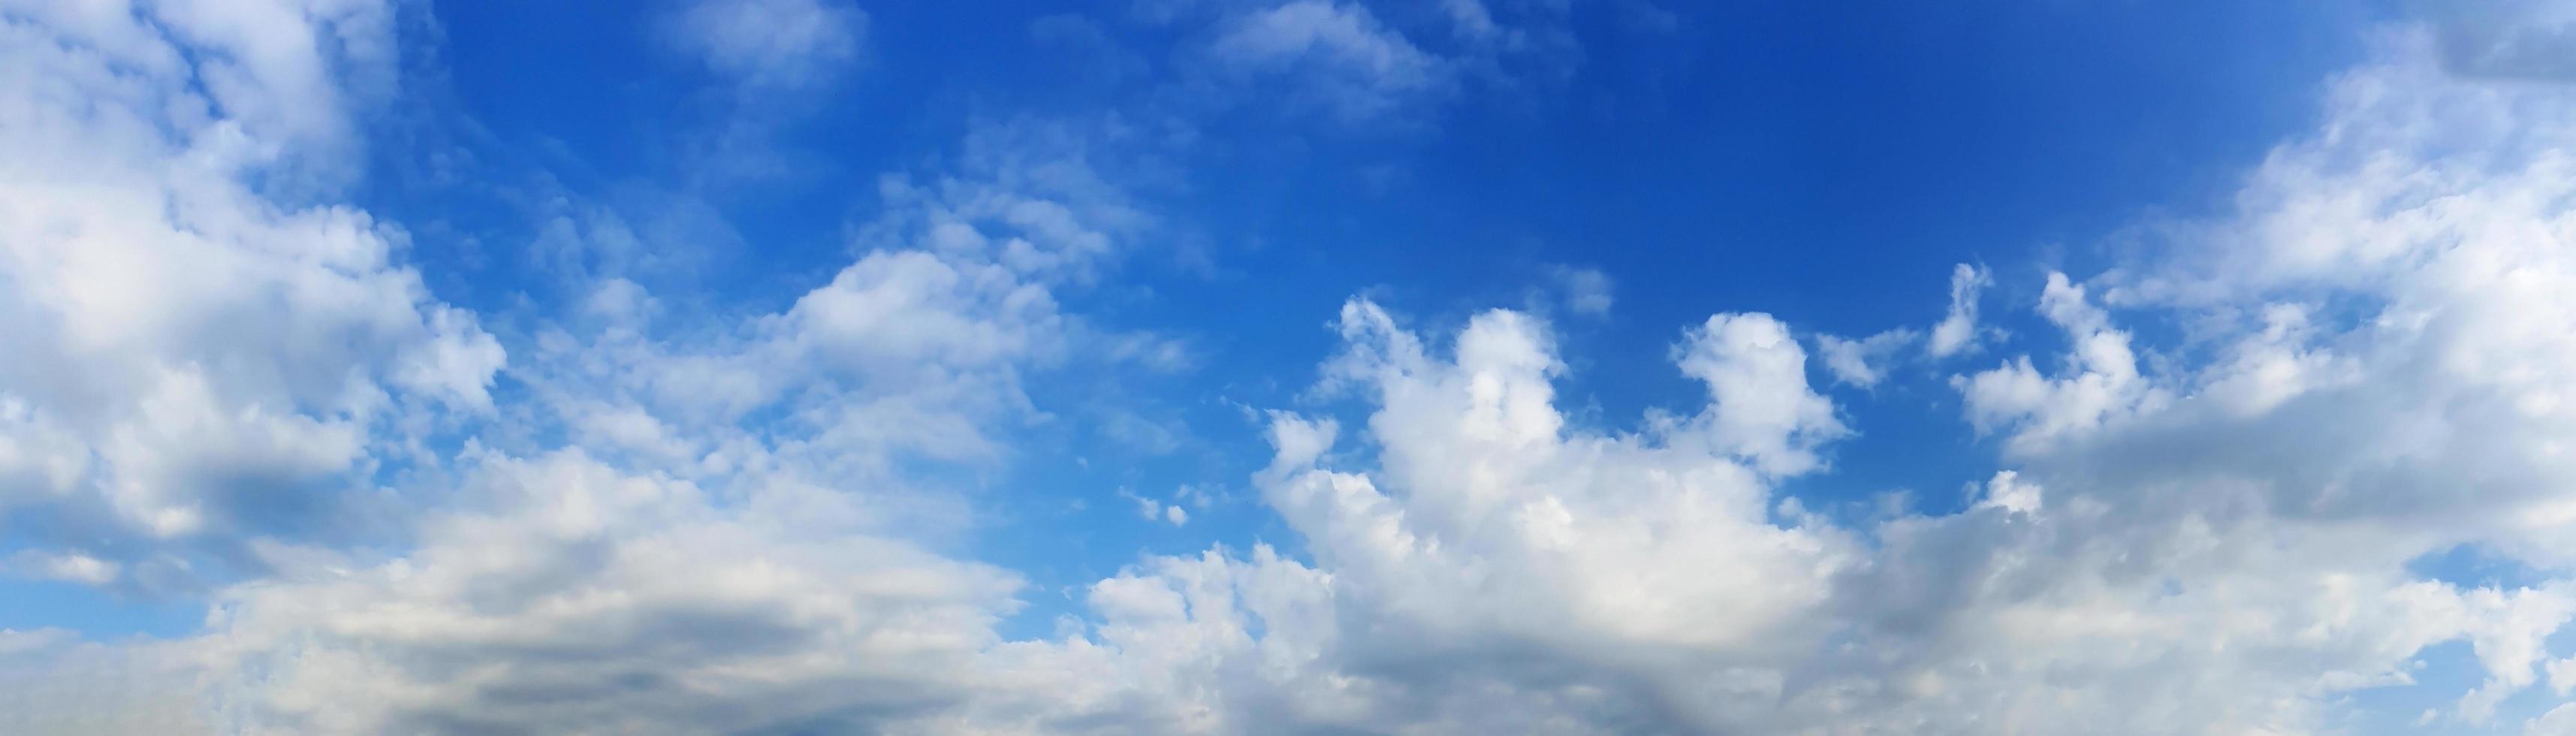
x=1726, y=159
x=1244, y=366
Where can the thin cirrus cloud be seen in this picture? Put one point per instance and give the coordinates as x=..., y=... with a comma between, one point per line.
x=403, y=516
x=782, y=45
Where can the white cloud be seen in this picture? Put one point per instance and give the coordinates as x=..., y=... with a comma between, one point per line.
x=2559, y=721
x=2008, y=492
x=570, y=596
x=1490, y=567
x=71, y=565
x=1358, y=68
x=1154, y=509
x=2183, y=545
x=1862, y=362
x=196, y=351
x=2101, y=383
x=1761, y=408
x=1364, y=64
x=1586, y=291
x=2221, y=546
x=773, y=45
x=1957, y=330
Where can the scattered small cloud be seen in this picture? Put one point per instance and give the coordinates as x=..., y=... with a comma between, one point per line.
x=1584, y=291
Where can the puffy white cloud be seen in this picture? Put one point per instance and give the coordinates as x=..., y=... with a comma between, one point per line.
x=681, y=566
x=2101, y=382
x=567, y=595
x=2214, y=536
x=1485, y=565
x=1761, y=408
x=198, y=349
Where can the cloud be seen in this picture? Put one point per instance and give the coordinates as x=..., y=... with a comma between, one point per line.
x=71, y=565
x=1586, y=291
x=572, y=596
x=1354, y=66
x=1761, y=408
x=1862, y=362
x=2559, y=721
x=2513, y=39
x=681, y=564
x=730, y=522
x=1363, y=65
x=770, y=45
x=2101, y=384
x=52, y=683
x=2219, y=545
x=1156, y=510
x=1486, y=565
x=215, y=370
x=1957, y=330
x=200, y=354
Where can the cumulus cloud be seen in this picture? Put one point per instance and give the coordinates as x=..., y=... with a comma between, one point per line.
x=571, y=596
x=2219, y=545
x=2216, y=536
x=213, y=365
x=199, y=353
x=2100, y=383
x=679, y=566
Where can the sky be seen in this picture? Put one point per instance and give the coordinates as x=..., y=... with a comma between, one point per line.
x=1287, y=367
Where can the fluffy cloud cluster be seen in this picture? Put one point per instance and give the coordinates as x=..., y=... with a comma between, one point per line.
x=729, y=522
x=200, y=350
x=567, y=596
x=685, y=564
x=2214, y=536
